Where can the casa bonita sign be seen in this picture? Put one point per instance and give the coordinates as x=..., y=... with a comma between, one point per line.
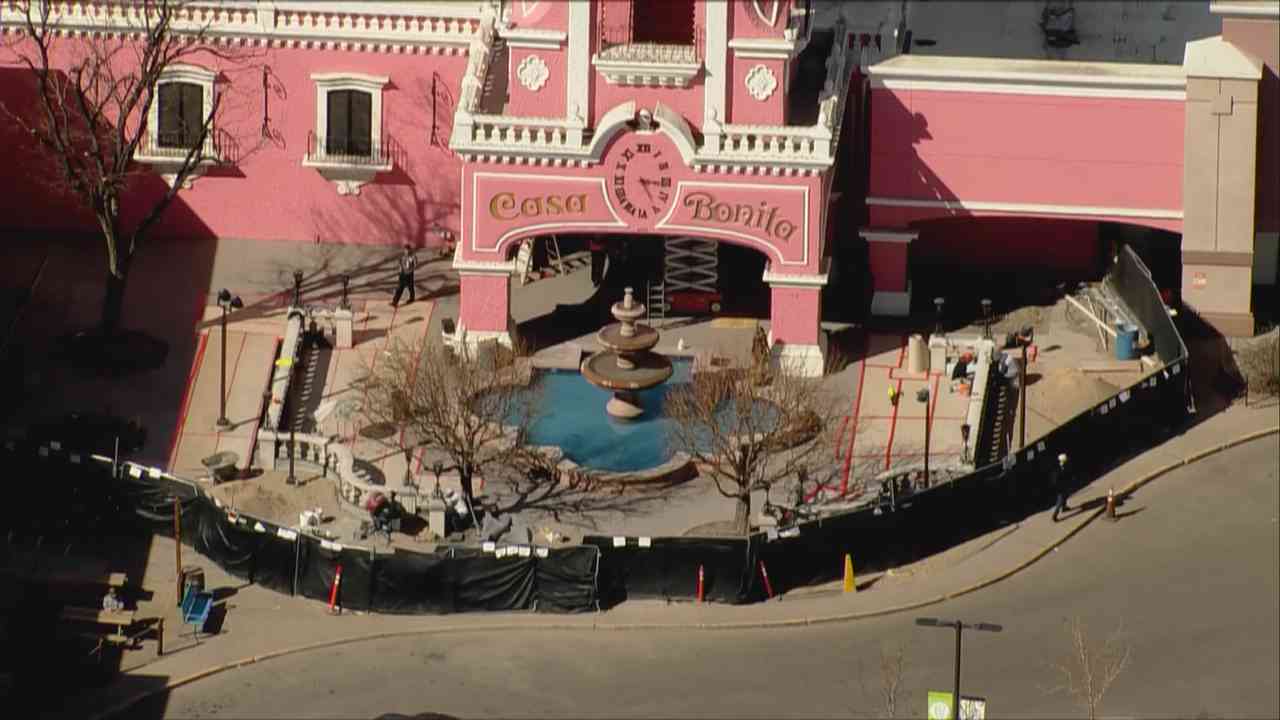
x=506, y=205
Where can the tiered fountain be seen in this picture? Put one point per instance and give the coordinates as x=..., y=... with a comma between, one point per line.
x=627, y=365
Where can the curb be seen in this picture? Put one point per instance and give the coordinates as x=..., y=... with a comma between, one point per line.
x=759, y=624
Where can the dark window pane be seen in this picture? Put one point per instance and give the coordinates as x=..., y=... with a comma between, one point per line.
x=335, y=142
x=192, y=113
x=170, y=115
x=361, y=123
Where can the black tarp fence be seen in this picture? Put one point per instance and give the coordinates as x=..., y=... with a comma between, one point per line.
x=633, y=567
x=285, y=560
x=605, y=570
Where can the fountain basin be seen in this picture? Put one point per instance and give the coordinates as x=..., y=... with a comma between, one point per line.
x=648, y=370
x=569, y=417
x=611, y=337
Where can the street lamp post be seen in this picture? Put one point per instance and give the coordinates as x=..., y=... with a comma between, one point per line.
x=938, y=304
x=227, y=302
x=346, y=284
x=959, y=627
x=986, y=318
x=297, y=288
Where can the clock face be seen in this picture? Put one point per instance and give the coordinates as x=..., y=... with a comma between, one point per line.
x=641, y=185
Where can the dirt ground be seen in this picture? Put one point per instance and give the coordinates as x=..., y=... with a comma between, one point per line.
x=261, y=498
x=1062, y=393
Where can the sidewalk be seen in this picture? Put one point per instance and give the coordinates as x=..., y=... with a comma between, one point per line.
x=299, y=624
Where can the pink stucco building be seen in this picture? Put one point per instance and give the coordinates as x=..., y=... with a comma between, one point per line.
x=483, y=125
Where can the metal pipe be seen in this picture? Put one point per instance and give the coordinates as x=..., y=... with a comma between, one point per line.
x=1022, y=399
x=177, y=544
x=955, y=702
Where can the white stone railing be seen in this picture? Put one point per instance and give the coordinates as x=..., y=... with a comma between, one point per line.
x=314, y=24
x=480, y=134
x=769, y=144
x=329, y=454
x=282, y=374
x=479, y=53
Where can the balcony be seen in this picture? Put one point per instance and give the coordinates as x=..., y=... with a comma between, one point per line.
x=623, y=62
x=349, y=165
x=168, y=153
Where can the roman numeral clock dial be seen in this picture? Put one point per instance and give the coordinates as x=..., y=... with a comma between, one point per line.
x=641, y=184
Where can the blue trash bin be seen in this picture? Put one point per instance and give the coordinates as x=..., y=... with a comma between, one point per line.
x=1126, y=341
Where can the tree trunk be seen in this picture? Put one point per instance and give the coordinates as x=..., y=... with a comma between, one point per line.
x=113, y=303
x=118, y=261
x=468, y=488
x=742, y=514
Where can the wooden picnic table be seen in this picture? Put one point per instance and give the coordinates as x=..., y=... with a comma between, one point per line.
x=121, y=619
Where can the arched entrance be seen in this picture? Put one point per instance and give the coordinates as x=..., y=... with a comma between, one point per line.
x=644, y=189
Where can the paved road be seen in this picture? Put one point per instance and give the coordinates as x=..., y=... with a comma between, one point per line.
x=1192, y=571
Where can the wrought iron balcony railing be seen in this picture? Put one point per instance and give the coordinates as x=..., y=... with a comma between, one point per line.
x=349, y=152
x=176, y=146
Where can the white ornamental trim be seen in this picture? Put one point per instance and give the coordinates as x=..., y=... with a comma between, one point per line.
x=533, y=73
x=761, y=82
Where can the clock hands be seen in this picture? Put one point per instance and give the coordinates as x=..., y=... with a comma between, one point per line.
x=645, y=183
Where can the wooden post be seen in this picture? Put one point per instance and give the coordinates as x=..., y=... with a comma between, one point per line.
x=160, y=638
x=177, y=545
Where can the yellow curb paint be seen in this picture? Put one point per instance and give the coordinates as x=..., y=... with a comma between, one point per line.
x=763, y=624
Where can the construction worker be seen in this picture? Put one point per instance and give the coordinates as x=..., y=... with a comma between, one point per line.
x=893, y=396
x=1060, y=480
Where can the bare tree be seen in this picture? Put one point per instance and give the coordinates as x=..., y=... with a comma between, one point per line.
x=892, y=672
x=94, y=96
x=1086, y=672
x=476, y=411
x=748, y=436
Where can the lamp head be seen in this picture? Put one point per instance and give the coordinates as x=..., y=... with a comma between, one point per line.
x=1062, y=459
x=224, y=296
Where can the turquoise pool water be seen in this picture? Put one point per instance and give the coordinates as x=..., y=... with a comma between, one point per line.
x=574, y=419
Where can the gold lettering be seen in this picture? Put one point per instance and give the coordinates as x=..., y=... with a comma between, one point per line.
x=505, y=206
x=707, y=208
x=701, y=203
x=503, y=203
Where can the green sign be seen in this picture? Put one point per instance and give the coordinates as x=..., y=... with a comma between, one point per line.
x=971, y=708
x=939, y=705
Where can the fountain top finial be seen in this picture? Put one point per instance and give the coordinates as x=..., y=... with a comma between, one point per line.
x=628, y=300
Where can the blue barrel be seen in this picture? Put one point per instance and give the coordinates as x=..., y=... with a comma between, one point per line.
x=1126, y=341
